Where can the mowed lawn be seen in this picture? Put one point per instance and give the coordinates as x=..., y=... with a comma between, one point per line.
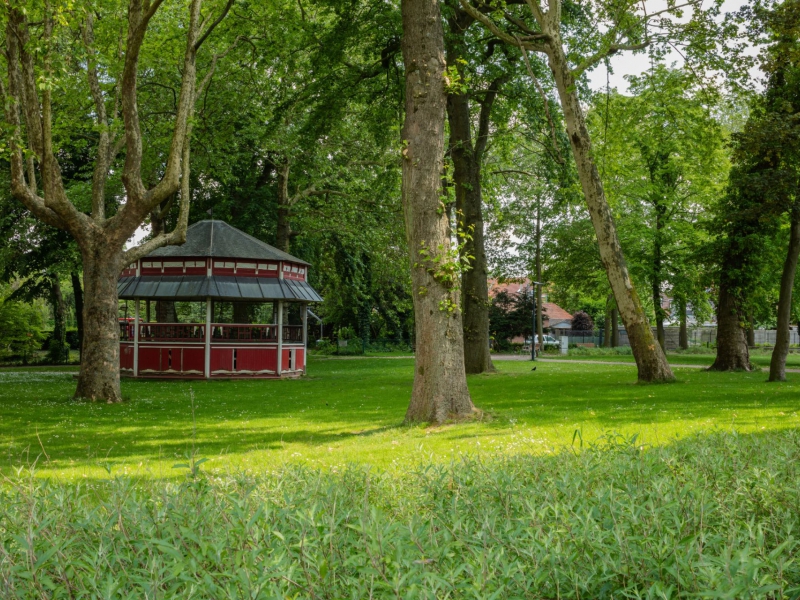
x=758, y=357
x=351, y=410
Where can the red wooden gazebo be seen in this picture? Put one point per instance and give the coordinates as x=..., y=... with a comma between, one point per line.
x=248, y=292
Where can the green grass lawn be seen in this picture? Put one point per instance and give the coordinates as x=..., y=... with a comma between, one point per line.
x=757, y=357
x=352, y=411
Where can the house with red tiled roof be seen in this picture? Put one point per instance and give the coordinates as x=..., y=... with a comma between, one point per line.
x=554, y=318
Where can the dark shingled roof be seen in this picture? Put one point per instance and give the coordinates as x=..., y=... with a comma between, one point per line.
x=217, y=239
x=196, y=287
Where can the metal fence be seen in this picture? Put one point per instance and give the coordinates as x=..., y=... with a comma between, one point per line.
x=352, y=347
x=698, y=336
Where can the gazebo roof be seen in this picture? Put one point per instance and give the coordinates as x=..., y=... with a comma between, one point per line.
x=195, y=287
x=217, y=239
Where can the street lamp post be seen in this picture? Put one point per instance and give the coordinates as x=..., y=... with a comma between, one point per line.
x=533, y=322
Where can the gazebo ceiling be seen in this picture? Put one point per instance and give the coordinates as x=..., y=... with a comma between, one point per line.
x=217, y=239
x=199, y=287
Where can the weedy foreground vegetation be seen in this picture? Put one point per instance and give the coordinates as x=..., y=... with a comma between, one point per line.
x=709, y=516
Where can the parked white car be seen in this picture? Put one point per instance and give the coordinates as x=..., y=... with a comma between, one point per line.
x=548, y=341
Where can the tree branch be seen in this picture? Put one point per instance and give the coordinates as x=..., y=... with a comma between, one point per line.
x=213, y=25
x=492, y=26
x=601, y=54
x=100, y=175
x=546, y=106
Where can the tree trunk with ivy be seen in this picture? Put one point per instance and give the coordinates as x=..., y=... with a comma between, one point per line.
x=440, y=386
x=467, y=156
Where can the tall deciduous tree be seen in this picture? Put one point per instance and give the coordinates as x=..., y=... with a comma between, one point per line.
x=467, y=149
x=662, y=160
x=619, y=27
x=40, y=40
x=440, y=385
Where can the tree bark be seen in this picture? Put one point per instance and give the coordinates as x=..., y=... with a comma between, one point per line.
x=440, y=386
x=59, y=350
x=732, y=352
x=467, y=161
x=77, y=290
x=99, y=374
x=165, y=311
x=777, y=365
x=650, y=358
x=750, y=332
x=683, y=334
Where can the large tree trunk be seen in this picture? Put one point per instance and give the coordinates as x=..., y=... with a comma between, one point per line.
x=99, y=375
x=777, y=366
x=59, y=350
x=165, y=311
x=440, y=385
x=467, y=158
x=77, y=290
x=732, y=352
x=650, y=359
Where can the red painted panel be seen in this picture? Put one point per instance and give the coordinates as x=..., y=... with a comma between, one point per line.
x=126, y=356
x=286, y=364
x=149, y=359
x=194, y=359
x=252, y=359
x=221, y=359
x=301, y=359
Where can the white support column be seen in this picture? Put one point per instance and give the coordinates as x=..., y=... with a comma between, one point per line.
x=280, y=337
x=207, y=354
x=304, y=309
x=136, y=338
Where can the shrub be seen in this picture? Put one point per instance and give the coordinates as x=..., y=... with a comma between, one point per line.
x=581, y=321
x=709, y=516
x=616, y=351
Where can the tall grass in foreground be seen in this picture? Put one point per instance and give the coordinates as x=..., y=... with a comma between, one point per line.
x=712, y=516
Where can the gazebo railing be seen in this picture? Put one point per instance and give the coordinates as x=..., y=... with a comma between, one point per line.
x=293, y=333
x=254, y=333
x=243, y=333
x=220, y=333
x=172, y=332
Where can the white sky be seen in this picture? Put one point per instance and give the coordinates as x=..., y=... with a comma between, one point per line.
x=627, y=63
